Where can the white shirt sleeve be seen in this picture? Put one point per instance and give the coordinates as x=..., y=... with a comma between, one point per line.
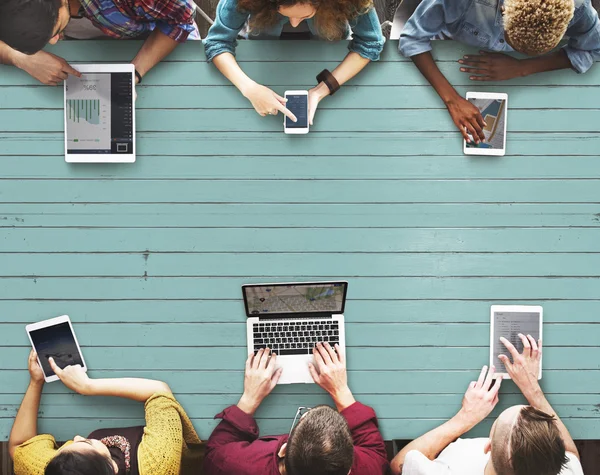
x=415, y=463
x=573, y=466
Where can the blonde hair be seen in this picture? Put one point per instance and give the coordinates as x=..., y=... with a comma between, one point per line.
x=536, y=26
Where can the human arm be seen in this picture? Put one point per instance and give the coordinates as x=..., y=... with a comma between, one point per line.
x=45, y=67
x=156, y=47
x=488, y=66
x=583, y=47
x=366, y=46
x=137, y=389
x=329, y=372
x=478, y=402
x=464, y=114
x=524, y=371
x=25, y=425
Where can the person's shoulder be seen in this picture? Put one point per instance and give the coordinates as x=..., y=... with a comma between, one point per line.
x=32, y=456
x=573, y=466
x=415, y=463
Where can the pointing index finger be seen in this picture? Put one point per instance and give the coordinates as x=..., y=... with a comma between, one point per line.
x=67, y=68
x=284, y=110
x=57, y=370
x=510, y=347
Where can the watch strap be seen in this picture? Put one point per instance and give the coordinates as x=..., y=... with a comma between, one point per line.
x=330, y=81
x=138, y=76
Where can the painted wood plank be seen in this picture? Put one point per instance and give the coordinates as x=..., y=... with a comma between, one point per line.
x=310, y=166
x=301, y=191
x=217, y=383
x=328, y=120
x=375, y=335
x=355, y=97
x=364, y=144
x=264, y=50
x=366, y=311
x=359, y=358
x=373, y=215
x=300, y=265
x=302, y=240
x=70, y=406
x=223, y=287
x=281, y=75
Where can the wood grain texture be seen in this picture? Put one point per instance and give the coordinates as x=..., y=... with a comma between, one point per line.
x=148, y=258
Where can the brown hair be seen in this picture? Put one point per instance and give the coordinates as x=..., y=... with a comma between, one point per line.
x=321, y=444
x=532, y=446
x=330, y=20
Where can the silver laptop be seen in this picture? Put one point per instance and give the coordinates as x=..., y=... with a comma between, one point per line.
x=291, y=318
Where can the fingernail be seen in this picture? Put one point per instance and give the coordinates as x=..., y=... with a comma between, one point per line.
x=463, y=69
x=460, y=61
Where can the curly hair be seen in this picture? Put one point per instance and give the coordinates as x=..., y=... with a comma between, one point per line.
x=330, y=19
x=535, y=27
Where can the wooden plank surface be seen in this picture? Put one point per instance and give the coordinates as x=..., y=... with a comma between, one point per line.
x=148, y=258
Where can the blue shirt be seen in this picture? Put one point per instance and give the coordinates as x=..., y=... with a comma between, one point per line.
x=367, y=38
x=479, y=23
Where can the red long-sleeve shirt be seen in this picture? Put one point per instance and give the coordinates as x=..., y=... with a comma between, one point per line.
x=235, y=447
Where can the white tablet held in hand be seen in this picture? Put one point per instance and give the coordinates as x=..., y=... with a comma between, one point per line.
x=493, y=107
x=100, y=114
x=508, y=321
x=55, y=338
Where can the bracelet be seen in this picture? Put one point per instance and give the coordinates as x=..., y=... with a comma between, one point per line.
x=138, y=76
x=330, y=81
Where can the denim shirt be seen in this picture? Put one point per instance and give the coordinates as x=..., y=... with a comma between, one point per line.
x=479, y=23
x=367, y=38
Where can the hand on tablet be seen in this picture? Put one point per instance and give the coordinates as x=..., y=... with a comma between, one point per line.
x=46, y=67
x=525, y=367
x=35, y=371
x=467, y=118
x=73, y=377
x=267, y=102
x=481, y=398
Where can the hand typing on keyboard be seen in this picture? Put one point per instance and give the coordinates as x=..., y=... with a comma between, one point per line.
x=329, y=372
x=260, y=379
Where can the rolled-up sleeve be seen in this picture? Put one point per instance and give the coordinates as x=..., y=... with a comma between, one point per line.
x=427, y=21
x=583, y=48
x=367, y=38
x=174, y=18
x=223, y=33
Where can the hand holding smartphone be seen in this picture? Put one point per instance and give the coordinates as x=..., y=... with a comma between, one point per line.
x=297, y=103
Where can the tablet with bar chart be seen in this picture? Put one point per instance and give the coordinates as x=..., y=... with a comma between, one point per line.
x=100, y=114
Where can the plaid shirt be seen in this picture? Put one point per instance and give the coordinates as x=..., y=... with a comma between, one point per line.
x=132, y=18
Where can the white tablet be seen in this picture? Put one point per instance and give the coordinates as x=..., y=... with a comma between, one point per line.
x=100, y=114
x=493, y=107
x=508, y=321
x=55, y=338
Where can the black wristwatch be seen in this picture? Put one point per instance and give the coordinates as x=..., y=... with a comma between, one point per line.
x=138, y=76
x=330, y=81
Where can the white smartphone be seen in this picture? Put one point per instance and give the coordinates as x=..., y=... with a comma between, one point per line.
x=493, y=107
x=297, y=102
x=55, y=338
x=508, y=321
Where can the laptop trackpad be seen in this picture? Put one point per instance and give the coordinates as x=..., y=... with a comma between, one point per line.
x=295, y=369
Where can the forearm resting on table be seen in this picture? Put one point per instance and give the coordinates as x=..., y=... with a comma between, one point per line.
x=130, y=388
x=433, y=442
x=426, y=64
x=229, y=67
x=8, y=55
x=548, y=62
x=156, y=47
x=25, y=425
x=352, y=64
x=537, y=399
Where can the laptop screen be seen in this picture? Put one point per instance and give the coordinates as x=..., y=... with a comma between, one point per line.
x=319, y=297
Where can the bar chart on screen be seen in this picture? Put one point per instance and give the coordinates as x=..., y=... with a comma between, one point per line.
x=88, y=109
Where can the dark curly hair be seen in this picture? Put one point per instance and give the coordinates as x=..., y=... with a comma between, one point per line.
x=330, y=20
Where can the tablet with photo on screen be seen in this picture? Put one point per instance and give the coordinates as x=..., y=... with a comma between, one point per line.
x=493, y=107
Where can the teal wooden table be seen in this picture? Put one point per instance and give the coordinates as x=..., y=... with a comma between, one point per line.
x=148, y=258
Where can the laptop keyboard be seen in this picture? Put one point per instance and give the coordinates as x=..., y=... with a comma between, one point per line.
x=295, y=337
